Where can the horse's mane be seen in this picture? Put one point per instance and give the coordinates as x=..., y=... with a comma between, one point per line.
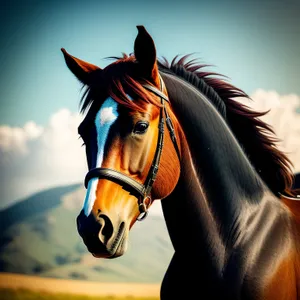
x=256, y=137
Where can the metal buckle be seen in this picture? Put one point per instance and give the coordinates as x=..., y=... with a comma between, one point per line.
x=143, y=208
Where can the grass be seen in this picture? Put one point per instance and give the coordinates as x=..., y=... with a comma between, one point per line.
x=23, y=294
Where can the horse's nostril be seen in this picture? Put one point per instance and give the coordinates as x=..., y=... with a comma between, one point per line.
x=106, y=228
x=95, y=230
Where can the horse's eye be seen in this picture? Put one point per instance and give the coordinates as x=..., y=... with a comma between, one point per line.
x=140, y=127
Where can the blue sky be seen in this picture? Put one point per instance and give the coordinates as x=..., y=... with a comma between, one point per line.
x=255, y=43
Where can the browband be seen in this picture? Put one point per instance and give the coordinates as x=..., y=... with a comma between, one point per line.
x=156, y=91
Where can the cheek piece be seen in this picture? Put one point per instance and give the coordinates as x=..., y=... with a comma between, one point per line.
x=142, y=191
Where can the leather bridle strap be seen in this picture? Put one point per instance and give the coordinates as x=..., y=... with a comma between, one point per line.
x=168, y=119
x=156, y=159
x=296, y=198
x=155, y=91
x=142, y=191
x=136, y=187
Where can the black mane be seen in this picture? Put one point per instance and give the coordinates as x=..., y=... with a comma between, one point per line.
x=256, y=137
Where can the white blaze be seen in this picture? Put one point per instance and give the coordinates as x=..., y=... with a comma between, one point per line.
x=105, y=118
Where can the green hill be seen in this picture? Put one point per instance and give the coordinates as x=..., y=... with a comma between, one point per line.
x=39, y=237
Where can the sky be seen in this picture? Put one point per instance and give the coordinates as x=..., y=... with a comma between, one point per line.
x=255, y=43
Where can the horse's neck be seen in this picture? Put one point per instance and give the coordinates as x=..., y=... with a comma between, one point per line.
x=217, y=181
x=189, y=220
x=223, y=221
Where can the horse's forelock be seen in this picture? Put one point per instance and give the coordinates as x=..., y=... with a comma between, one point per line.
x=121, y=81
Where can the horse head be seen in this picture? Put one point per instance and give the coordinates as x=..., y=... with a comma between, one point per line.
x=132, y=159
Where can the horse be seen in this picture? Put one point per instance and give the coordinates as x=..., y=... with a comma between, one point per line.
x=172, y=132
x=296, y=184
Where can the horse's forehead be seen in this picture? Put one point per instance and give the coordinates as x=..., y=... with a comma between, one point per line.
x=107, y=112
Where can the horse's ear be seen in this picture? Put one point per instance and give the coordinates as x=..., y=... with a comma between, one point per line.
x=78, y=67
x=145, y=54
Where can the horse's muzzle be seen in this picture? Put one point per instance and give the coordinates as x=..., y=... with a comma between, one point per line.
x=102, y=237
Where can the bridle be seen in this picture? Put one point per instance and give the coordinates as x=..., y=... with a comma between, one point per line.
x=142, y=191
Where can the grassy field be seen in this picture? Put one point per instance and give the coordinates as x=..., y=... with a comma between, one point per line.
x=23, y=294
x=24, y=287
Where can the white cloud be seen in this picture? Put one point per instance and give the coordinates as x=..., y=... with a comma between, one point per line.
x=33, y=158
x=14, y=139
x=283, y=118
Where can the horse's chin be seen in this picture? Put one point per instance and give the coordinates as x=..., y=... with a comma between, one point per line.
x=107, y=255
x=113, y=252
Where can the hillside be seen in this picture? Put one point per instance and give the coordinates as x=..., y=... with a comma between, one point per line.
x=39, y=237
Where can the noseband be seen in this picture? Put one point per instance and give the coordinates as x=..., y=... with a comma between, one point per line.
x=142, y=191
